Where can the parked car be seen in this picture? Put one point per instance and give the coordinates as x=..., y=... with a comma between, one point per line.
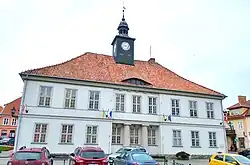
x=245, y=153
x=34, y=156
x=11, y=142
x=7, y=141
x=228, y=159
x=88, y=155
x=135, y=158
x=112, y=156
x=4, y=140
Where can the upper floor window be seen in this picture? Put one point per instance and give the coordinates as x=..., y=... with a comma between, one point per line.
x=240, y=124
x=193, y=108
x=45, y=96
x=120, y=99
x=136, y=81
x=210, y=110
x=94, y=98
x=137, y=104
x=175, y=107
x=13, y=121
x=152, y=105
x=70, y=98
x=5, y=121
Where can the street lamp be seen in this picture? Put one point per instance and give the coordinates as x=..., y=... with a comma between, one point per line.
x=13, y=111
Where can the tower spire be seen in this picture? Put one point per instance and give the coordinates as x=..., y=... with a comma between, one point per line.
x=123, y=26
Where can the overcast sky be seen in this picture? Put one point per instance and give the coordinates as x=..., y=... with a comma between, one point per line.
x=206, y=41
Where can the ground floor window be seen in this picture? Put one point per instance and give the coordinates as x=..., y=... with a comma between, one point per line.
x=12, y=133
x=4, y=133
x=241, y=142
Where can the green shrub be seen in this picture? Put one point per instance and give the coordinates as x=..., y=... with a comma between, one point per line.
x=6, y=148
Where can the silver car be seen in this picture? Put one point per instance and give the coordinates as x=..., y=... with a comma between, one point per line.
x=112, y=156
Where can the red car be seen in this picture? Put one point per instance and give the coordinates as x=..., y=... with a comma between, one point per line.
x=88, y=156
x=31, y=156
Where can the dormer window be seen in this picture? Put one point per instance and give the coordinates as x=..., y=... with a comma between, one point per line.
x=136, y=81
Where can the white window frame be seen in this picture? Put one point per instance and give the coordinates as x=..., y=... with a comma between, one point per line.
x=193, y=108
x=46, y=97
x=14, y=121
x=116, y=134
x=6, y=121
x=177, y=139
x=175, y=107
x=195, y=137
x=91, y=138
x=213, y=140
x=136, y=104
x=67, y=134
x=240, y=124
x=40, y=133
x=93, y=101
x=152, y=131
x=152, y=105
x=70, y=101
x=134, y=133
x=120, y=102
x=210, y=110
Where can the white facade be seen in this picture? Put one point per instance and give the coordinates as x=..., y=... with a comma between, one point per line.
x=151, y=128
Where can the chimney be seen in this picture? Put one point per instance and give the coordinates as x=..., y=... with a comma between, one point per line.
x=242, y=100
x=151, y=60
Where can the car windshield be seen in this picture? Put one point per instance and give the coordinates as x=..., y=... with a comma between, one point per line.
x=123, y=150
x=141, y=157
x=92, y=154
x=27, y=155
x=242, y=159
x=140, y=150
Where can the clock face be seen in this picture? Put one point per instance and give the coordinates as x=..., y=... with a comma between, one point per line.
x=125, y=46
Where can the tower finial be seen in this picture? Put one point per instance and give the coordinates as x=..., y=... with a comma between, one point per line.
x=123, y=26
x=123, y=10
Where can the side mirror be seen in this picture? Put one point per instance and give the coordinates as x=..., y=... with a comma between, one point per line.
x=72, y=154
x=234, y=163
x=118, y=157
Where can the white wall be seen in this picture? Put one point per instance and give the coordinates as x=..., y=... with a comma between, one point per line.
x=107, y=101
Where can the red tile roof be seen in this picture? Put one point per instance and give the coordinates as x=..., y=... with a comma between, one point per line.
x=15, y=103
x=102, y=68
x=238, y=105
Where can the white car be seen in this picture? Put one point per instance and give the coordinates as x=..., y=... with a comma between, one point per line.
x=112, y=156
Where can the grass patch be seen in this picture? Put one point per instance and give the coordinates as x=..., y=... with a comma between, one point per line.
x=6, y=148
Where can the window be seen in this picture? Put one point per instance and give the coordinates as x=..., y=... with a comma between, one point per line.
x=4, y=133
x=177, y=138
x=193, y=108
x=94, y=97
x=195, y=138
x=70, y=98
x=175, y=107
x=45, y=96
x=212, y=139
x=5, y=121
x=240, y=124
x=13, y=121
x=229, y=159
x=66, y=134
x=91, y=135
x=137, y=104
x=120, y=98
x=40, y=133
x=134, y=135
x=210, y=110
x=219, y=157
x=151, y=136
x=136, y=81
x=116, y=135
x=152, y=105
x=241, y=142
x=12, y=133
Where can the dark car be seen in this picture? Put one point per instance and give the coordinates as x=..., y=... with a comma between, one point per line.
x=134, y=158
x=89, y=156
x=245, y=153
x=31, y=156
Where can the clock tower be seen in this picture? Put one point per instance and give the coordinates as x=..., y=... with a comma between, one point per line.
x=123, y=45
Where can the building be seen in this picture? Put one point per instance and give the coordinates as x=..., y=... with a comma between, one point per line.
x=239, y=120
x=110, y=102
x=8, y=122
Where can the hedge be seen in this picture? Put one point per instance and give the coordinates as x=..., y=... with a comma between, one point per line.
x=6, y=148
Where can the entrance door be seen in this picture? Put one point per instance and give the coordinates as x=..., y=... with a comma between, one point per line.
x=242, y=142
